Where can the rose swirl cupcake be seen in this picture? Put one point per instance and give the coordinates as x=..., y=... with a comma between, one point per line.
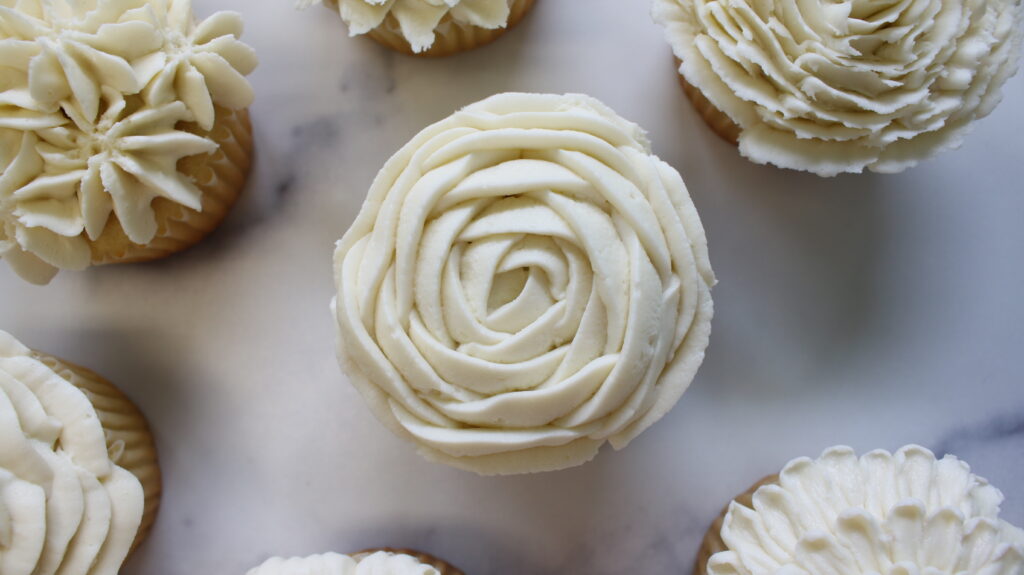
x=906, y=513
x=429, y=27
x=832, y=87
x=373, y=562
x=124, y=130
x=525, y=282
x=79, y=480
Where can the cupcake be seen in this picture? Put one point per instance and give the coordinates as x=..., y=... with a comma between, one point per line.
x=524, y=283
x=390, y=561
x=832, y=87
x=124, y=130
x=79, y=481
x=906, y=513
x=429, y=27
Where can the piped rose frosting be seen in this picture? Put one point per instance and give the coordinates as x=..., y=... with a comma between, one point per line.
x=95, y=94
x=65, y=505
x=906, y=513
x=418, y=20
x=831, y=87
x=379, y=563
x=524, y=283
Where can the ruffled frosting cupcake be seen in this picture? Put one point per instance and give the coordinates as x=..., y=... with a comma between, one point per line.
x=124, y=130
x=905, y=513
x=831, y=87
x=524, y=283
x=429, y=27
x=79, y=483
x=384, y=562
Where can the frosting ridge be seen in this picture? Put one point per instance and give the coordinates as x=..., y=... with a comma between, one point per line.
x=524, y=283
x=893, y=514
x=839, y=87
x=65, y=504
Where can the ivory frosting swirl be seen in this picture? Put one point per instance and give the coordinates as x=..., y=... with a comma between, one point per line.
x=66, y=506
x=379, y=563
x=831, y=87
x=96, y=94
x=525, y=282
x=906, y=513
x=418, y=20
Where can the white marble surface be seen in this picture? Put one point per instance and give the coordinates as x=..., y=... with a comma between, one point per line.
x=867, y=310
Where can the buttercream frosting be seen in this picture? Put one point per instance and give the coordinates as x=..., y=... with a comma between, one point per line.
x=96, y=93
x=905, y=513
x=419, y=20
x=524, y=283
x=65, y=505
x=378, y=563
x=831, y=87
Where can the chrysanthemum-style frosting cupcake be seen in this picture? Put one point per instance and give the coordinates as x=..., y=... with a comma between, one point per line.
x=831, y=87
x=524, y=283
x=374, y=562
x=79, y=482
x=429, y=27
x=124, y=130
x=906, y=513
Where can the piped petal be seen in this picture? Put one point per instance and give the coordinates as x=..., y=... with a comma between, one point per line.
x=227, y=86
x=132, y=203
x=56, y=250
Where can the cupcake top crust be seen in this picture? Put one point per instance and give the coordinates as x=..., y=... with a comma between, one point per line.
x=906, y=513
x=525, y=282
x=830, y=87
x=65, y=504
x=101, y=99
x=417, y=20
x=379, y=563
